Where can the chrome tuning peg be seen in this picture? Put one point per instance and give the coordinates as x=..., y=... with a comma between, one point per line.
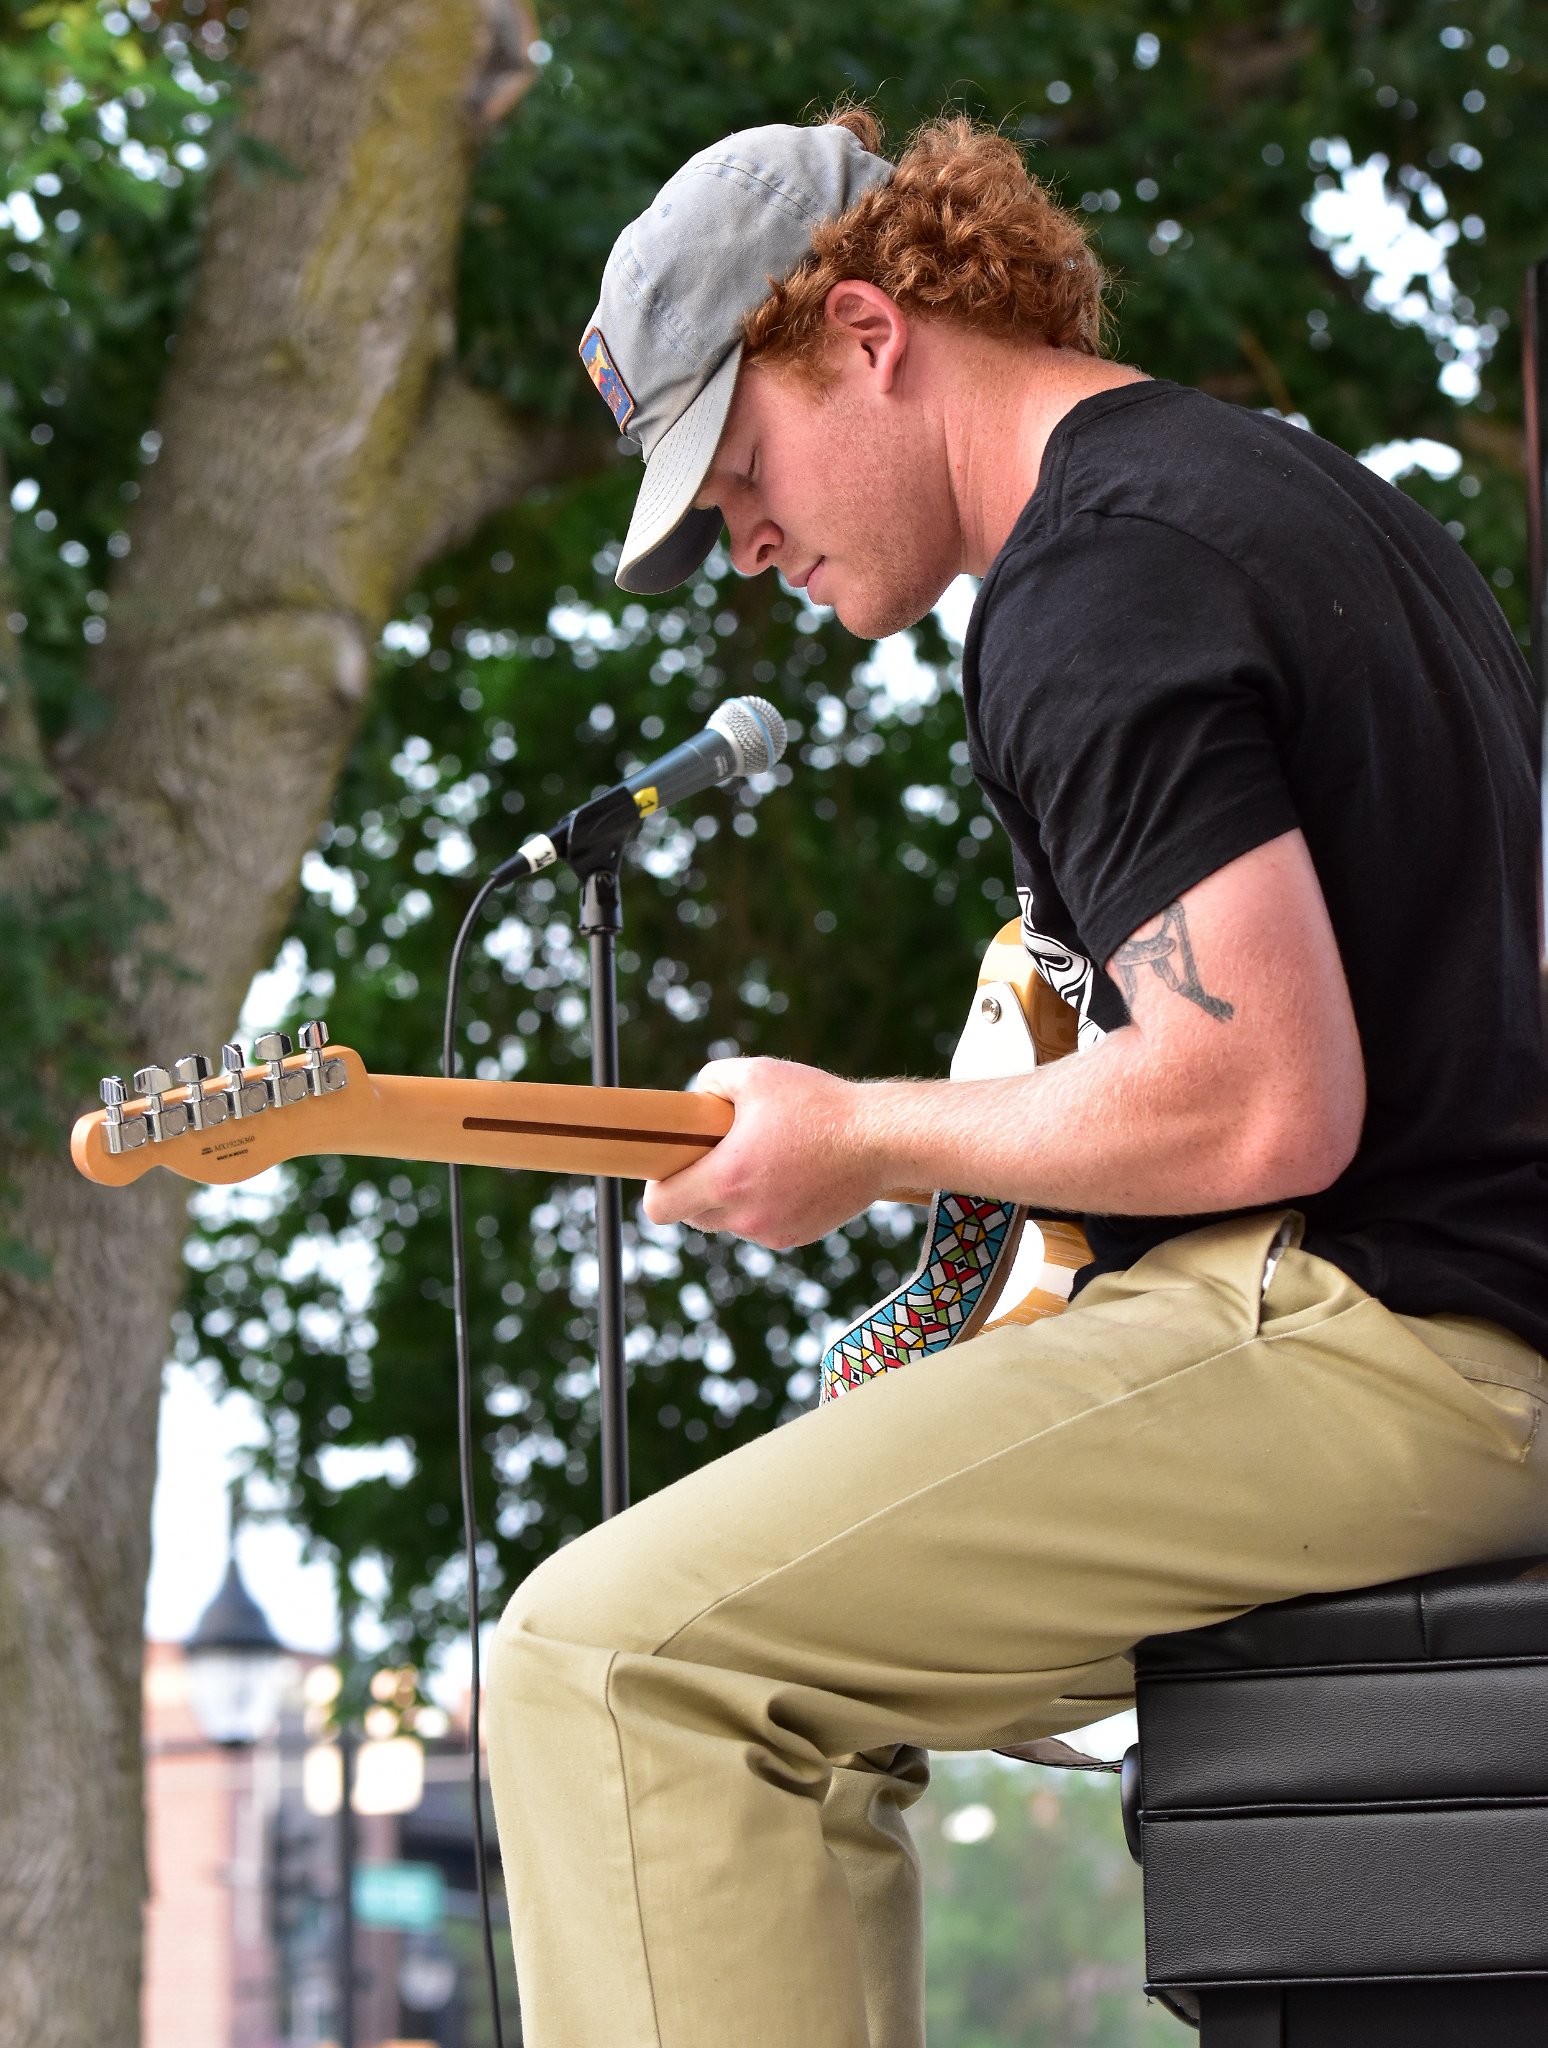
x=153, y=1083
x=122, y=1133
x=242, y=1098
x=193, y=1070
x=323, y=1077
x=274, y=1048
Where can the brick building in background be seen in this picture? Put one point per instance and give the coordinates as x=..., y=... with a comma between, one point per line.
x=242, y=1917
x=205, y=1937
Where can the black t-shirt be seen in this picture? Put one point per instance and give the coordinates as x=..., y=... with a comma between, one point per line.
x=1209, y=627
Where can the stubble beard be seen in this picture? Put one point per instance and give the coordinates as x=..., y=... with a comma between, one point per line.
x=890, y=585
x=889, y=603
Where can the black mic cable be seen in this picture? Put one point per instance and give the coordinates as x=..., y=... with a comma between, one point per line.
x=744, y=736
x=465, y=1452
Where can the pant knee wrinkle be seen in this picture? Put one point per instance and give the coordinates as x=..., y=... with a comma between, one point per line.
x=634, y=1861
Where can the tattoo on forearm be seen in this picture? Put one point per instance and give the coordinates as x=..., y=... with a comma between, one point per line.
x=1168, y=954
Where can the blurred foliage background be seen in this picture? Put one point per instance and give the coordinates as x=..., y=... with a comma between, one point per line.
x=1317, y=207
x=1033, y=1922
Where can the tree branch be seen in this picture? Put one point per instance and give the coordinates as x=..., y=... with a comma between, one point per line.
x=1268, y=370
x=471, y=457
x=1492, y=441
x=1242, y=62
x=507, y=70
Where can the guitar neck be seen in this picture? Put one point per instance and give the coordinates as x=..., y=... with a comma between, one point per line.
x=626, y=1133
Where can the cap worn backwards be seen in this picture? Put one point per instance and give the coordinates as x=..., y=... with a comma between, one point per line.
x=664, y=344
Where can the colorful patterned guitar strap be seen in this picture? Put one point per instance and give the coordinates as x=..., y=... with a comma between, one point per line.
x=969, y=1239
x=970, y=1260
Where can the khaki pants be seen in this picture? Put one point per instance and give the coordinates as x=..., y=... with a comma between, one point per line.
x=707, y=1715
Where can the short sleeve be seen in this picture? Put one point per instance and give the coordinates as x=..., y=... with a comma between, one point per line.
x=1127, y=684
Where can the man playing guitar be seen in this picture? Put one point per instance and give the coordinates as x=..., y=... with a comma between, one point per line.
x=1264, y=747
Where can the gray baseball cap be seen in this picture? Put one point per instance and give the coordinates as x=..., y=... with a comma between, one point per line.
x=664, y=345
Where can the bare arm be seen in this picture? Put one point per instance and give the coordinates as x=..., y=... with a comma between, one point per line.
x=1239, y=1080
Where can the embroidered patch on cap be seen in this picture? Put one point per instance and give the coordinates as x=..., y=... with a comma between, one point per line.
x=603, y=372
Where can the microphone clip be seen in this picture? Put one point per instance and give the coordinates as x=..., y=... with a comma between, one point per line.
x=588, y=839
x=594, y=834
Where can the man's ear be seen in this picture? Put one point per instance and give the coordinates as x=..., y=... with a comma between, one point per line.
x=863, y=315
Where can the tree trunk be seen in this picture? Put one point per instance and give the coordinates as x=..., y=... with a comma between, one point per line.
x=318, y=447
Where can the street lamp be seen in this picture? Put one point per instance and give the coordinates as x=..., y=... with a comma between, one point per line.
x=236, y=1666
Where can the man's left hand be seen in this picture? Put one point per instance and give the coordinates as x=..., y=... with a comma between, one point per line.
x=793, y=1166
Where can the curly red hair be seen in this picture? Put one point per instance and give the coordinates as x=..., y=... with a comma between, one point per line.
x=962, y=231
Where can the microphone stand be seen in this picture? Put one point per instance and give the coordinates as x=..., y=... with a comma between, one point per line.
x=601, y=921
x=594, y=840
x=591, y=840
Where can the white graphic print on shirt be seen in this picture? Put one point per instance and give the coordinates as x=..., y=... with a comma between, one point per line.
x=1067, y=973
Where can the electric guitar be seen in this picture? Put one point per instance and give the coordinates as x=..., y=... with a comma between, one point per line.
x=980, y=1254
x=291, y=1101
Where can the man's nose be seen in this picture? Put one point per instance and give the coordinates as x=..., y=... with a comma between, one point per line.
x=754, y=545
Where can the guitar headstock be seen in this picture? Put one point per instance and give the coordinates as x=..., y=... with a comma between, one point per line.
x=216, y=1125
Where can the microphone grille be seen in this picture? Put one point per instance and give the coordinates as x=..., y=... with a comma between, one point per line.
x=754, y=728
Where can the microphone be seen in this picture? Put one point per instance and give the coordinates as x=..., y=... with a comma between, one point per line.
x=744, y=736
